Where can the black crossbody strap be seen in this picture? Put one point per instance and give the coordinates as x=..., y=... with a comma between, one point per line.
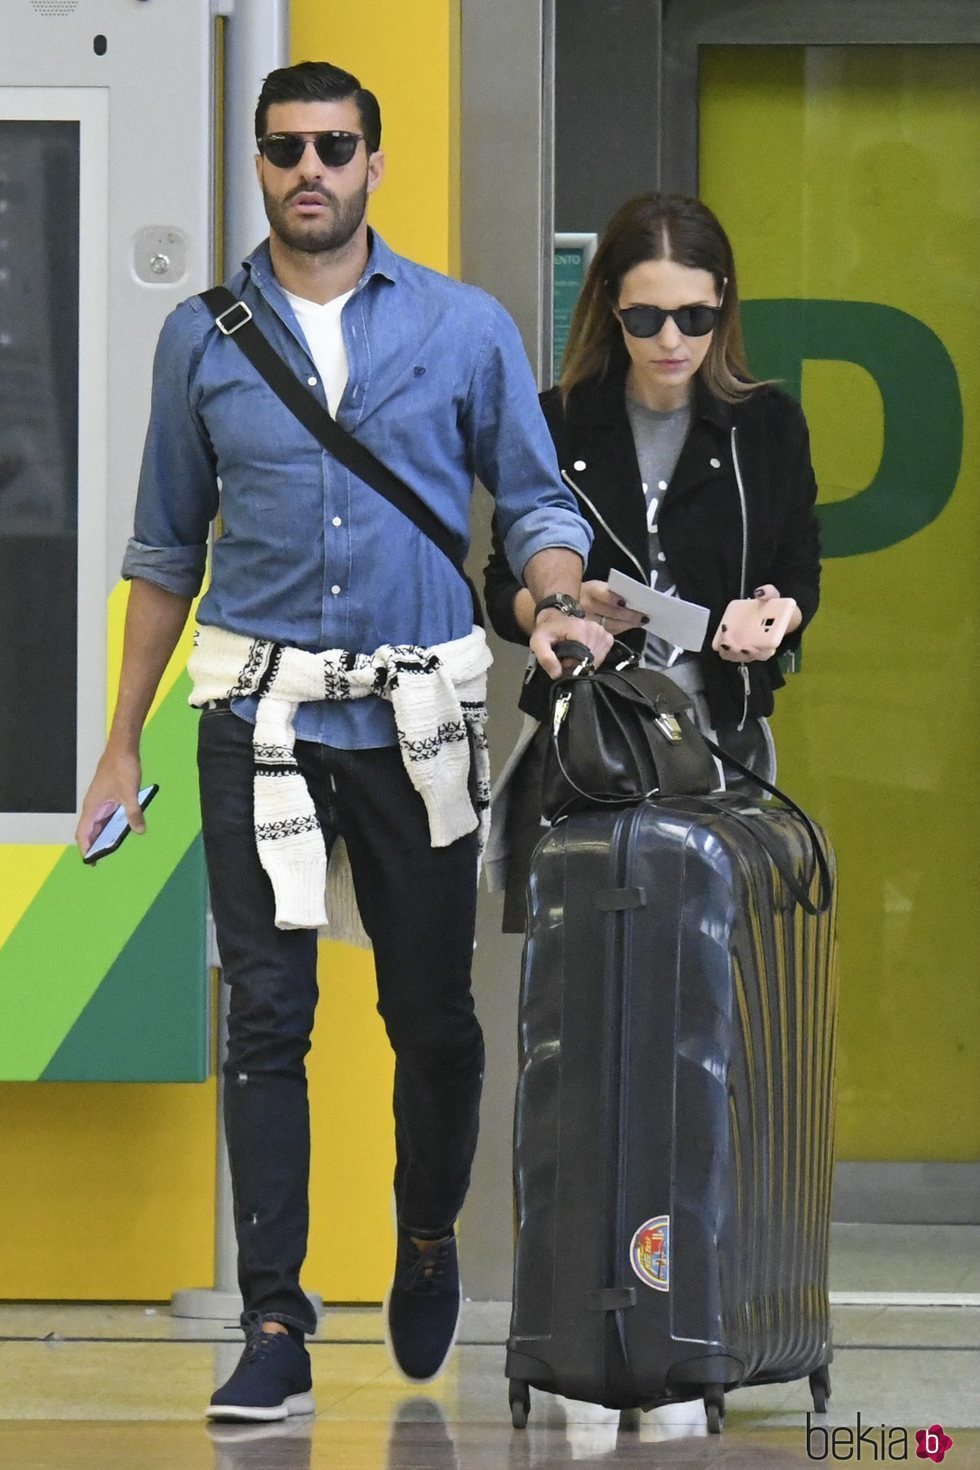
x=234, y=319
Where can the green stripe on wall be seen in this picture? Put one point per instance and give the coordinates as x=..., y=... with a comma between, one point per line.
x=146, y=1022
x=82, y=918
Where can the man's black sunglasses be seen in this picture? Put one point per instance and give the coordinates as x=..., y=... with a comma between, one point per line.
x=648, y=321
x=333, y=149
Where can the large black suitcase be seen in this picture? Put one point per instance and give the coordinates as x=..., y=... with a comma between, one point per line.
x=674, y=1120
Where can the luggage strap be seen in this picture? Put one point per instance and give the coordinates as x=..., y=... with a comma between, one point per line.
x=800, y=891
x=615, y=900
x=612, y=1298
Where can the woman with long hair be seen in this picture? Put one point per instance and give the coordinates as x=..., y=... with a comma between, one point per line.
x=696, y=480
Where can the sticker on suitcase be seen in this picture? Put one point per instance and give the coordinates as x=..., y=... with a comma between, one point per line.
x=650, y=1252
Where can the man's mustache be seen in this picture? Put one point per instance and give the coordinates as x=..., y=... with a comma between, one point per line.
x=320, y=194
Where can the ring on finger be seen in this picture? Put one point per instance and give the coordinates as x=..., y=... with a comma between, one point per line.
x=601, y=621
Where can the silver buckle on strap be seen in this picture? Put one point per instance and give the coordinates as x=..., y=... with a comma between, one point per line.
x=669, y=726
x=229, y=330
x=560, y=711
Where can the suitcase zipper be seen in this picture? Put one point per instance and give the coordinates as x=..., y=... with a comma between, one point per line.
x=644, y=576
x=620, y=1019
x=745, y=561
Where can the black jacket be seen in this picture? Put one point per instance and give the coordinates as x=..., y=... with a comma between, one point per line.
x=700, y=520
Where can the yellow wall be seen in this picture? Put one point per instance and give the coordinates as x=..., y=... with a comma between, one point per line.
x=110, y=1187
x=406, y=54
x=864, y=197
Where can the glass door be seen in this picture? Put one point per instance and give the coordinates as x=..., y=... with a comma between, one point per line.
x=52, y=453
x=839, y=143
x=848, y=177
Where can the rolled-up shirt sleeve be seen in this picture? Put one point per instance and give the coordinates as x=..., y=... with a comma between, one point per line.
x=513, y=452
x=177, y=497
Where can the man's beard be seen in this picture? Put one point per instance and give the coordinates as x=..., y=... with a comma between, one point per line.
x=332, y=233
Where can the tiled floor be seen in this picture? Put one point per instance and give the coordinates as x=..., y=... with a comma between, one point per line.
x=122, y=1388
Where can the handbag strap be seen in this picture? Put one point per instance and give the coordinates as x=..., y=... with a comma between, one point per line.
x=234, y=319
x=820, y=864
x=596, y=797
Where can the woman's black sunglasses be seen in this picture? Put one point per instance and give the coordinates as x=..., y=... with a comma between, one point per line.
x=333, y=149
x=648, y=321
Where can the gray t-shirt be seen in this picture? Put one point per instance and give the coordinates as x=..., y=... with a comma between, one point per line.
x=659, y=438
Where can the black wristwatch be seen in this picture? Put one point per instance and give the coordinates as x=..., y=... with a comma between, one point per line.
x=563, y=602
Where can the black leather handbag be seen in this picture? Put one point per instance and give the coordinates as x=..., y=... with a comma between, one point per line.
x=619, y=735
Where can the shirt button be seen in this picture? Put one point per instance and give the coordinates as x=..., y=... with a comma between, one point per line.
x=661, y=556
x=715, y=464
x=335, y=590
x=579, y=464
x=312, y=382
x=661, y=484
x=336, y=521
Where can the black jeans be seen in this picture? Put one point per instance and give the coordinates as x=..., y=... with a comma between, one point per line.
x=418, y=904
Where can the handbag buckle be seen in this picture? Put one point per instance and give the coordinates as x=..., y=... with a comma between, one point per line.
x=669, y=726
x=560, y=711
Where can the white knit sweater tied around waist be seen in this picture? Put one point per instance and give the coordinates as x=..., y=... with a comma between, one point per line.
x=438, y=696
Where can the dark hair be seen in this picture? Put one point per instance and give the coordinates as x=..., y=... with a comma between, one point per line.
x=318, y=81
x=657, y=227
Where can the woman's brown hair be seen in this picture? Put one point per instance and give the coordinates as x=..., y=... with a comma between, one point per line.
x=657, y=227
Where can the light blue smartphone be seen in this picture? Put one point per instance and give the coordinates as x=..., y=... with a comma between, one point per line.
x=117, y=829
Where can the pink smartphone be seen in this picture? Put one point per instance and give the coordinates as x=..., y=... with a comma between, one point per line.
x=752, y=622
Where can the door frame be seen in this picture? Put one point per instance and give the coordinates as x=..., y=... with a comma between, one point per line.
x=686, y=26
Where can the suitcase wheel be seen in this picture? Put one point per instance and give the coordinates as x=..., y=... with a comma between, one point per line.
x=820, y=1388
x=714, y=1407
x=629, y=1420
x=520, y=1403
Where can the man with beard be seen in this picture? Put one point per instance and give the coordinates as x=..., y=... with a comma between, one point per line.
x=341, y=638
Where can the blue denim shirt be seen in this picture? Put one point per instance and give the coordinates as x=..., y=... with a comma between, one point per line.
x=307, y=554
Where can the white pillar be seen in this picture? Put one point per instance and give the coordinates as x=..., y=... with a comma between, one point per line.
x=256, y=42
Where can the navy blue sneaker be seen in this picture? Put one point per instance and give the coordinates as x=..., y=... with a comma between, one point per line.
x=422, y=1309
x=272, y=1379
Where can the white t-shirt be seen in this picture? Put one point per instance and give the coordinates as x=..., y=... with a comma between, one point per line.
x=322, y=330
